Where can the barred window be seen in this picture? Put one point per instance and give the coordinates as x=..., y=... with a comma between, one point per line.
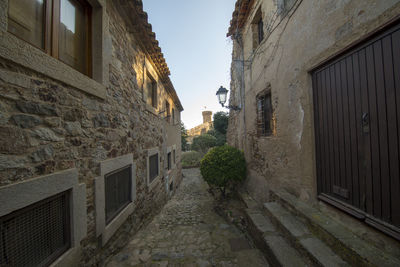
x=264, y=114
x=153, y=161
x=118, y=193
x=37, y=234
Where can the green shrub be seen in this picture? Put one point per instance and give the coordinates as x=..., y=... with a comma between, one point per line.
x=221, y=138
x=203, y=143
x=191, y=159
x=223, y=166
x=221, y=120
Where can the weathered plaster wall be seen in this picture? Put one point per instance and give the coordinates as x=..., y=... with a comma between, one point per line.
x=48, y=126
x=311, y=32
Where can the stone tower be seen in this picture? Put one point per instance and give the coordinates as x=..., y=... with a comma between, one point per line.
x=207, y=116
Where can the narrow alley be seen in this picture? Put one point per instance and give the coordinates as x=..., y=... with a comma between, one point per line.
x=188, y=232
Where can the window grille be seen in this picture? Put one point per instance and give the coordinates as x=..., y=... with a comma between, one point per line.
x=153, y=161
x=264, y=115
x=169, y=160
x=37, y=234
x=118, y=191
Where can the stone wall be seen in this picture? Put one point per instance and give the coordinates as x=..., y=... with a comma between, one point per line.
x=47, y=126
x=295, y=41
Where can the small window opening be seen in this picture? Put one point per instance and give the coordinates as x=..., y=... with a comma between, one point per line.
x=169, y=160
x=264, y=114
x=153, y=161
x=117, y=191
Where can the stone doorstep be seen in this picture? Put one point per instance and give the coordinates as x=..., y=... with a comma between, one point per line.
x=275, y=248
x=340, y=239
x=301, y=238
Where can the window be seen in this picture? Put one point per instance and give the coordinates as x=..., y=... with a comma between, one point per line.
x=260, y=26
x=115, y=195
x=117, y=191
x=26, y=19
x=168, y=111
x=264, y=114
x=173, y=116
x=258, y=29
x=174, y=156
x=37, y=234
x=151, y=88
x=59, y=27
x=153, y=167
x=169, y=161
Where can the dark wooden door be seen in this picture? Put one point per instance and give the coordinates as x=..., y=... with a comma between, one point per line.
x=357, y=130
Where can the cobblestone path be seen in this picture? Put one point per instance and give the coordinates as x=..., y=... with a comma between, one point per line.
x=188, y=232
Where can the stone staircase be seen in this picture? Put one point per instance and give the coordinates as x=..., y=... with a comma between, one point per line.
x=291, y=233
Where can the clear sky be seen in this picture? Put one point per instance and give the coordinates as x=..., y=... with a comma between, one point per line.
x=192, y=37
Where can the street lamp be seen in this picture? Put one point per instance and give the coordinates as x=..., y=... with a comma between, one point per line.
x=222, y=96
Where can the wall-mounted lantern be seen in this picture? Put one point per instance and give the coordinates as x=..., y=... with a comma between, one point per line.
x=222, y=94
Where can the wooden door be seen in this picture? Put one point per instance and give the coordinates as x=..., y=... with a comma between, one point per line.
x=357, y=130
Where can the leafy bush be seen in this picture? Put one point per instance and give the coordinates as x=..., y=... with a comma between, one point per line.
x=184, y=136
x=191, y=159
x=223, y=166
x=221, y=138
x=203, y=143
x=221, y=120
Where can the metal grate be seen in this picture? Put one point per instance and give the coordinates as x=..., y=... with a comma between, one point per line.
x=118, y=191
x=264, y=114
x=36, y=235
x=153, y=161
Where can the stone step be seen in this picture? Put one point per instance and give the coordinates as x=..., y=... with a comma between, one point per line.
x=266, y=237
x=341, y=240
x=301, y=237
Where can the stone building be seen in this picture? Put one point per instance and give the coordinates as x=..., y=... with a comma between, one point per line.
x=89, y=129
x=202, y=128
x=318, y=86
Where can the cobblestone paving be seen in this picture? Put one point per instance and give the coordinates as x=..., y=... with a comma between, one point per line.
x=188, y=232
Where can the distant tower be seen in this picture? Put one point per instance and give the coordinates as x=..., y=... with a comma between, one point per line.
x=207, y=116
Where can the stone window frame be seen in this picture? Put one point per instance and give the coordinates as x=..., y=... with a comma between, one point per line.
x=255, y=28
x=20, y=195
x=152, y=152
x=39, y=61
x=169, y=150
x=174, y=158
x=148, y=75
x=106, y=231
x=269, y=133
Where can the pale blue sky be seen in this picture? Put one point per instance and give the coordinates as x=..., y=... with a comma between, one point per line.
x=192, y=36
